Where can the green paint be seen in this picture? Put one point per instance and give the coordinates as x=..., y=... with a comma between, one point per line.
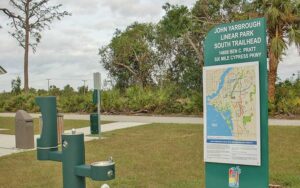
x=95, y=97
x=73, y=155
x=235, y=43
x=94, y=125
x=47, y=142
x=252, y=93
x=96, y=101
x=246, y=119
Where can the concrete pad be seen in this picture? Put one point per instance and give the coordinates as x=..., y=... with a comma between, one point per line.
x=109, y=127
x=284, y=122
x=106, y=128
x=5, y=151
x=120, y=125
x=8, y=143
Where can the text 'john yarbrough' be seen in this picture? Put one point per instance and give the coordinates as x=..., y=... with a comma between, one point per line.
x=237, y=27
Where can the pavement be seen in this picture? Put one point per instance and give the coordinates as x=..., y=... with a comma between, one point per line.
x=8, y=143
x=156, y=119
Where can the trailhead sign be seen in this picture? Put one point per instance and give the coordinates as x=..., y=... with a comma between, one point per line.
x=235, y=105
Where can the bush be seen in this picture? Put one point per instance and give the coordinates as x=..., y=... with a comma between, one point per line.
x=170, y=99
x=287, y=98
x=71, y=102
x=153, y=100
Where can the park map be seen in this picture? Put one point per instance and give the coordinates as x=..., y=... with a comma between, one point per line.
x=232, y=113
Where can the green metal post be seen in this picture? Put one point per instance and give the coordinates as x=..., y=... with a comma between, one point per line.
x=94, y=123
x=99, y=110
x=48, y=139
x=73, y=155
x=96, y=101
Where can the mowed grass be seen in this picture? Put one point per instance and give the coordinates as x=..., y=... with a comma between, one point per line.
x=285, y=156
x=9, y=123
x=152, y=156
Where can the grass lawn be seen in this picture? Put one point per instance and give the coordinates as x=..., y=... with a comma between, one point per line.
x=9, y=123
x=152, y=156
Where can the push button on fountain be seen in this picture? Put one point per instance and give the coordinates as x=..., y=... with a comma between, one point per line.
x=65, y=144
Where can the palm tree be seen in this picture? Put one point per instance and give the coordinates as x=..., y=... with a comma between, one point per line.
x=283, y=23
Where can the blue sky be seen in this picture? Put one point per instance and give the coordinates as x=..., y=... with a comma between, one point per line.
x=68, y=52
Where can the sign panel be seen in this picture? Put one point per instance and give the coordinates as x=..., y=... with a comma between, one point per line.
x=228, y=49
x=231, y=114
x=97, y=80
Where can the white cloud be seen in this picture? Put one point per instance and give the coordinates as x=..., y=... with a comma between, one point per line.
x=133, y=8
x=290, y=64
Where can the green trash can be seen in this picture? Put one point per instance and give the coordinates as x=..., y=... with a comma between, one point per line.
x=94, y=123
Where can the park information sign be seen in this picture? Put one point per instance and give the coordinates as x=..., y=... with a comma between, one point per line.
x=235, y=105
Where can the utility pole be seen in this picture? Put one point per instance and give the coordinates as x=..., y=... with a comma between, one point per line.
x=84, y=81
x=299, y=75
x=48, y=84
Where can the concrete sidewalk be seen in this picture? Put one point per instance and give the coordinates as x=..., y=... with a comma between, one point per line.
x=8, y=144
x=156, y=119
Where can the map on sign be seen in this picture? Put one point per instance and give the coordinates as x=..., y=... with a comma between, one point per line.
x=231, y=113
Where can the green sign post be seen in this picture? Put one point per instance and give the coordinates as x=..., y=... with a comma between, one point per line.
x=233, y=158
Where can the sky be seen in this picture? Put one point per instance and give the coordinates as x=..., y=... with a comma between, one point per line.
x=68, y=53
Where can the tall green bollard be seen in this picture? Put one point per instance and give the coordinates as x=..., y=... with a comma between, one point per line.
x=95, y=121
x=48, y=140
x=72, y=155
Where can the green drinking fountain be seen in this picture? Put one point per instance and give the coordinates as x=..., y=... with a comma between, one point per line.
x=72, y=154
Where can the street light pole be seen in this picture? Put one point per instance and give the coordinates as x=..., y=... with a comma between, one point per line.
x=48, y=83
x=84, y=81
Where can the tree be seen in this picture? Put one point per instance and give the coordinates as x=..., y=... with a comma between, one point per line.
x=191, y=26
x=68, y=90
x=181, y=33
x=180, y=25
x=55, y=91
x=283, y=23
x=177, y=27
x=131, y=55
x=16, y=86
x=30, y=18
x=180, y=49
x=83, y=89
